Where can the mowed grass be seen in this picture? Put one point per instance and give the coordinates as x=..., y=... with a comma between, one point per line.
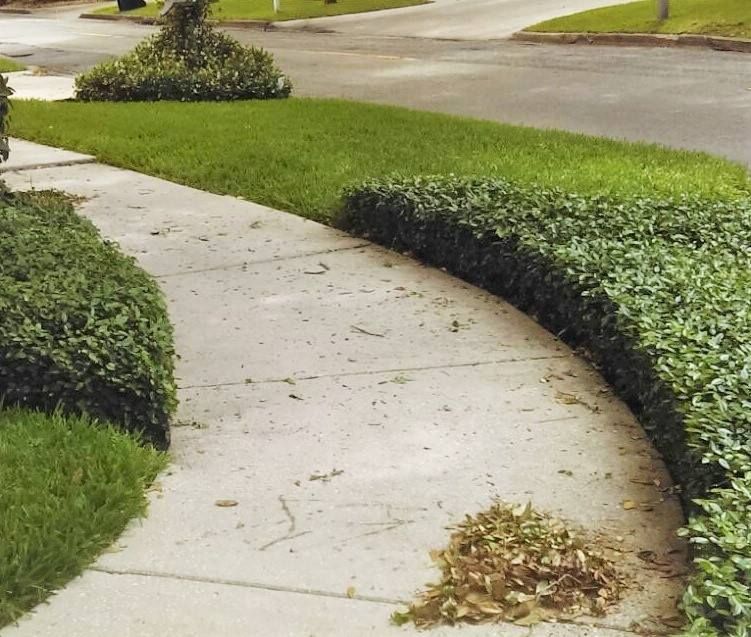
x=10, y=66
x=68, y=489
x=289, y=9
x=298, y=154
x=730, y=18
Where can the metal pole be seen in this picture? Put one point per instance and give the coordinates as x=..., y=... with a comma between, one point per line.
x=663, y=9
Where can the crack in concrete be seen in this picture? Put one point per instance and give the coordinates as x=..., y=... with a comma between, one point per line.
x=387, y=526
x=284, y=538
x=375, y=372
x=242, y=264
x=290, y=534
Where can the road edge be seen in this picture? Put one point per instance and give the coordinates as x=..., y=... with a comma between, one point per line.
x=717, y=43
x=238, y=24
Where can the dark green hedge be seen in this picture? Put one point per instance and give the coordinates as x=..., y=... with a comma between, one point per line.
x=80, y=324
x=658, y=291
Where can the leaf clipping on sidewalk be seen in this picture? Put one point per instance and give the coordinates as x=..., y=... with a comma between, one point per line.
x=514, y=564
x=226, y=503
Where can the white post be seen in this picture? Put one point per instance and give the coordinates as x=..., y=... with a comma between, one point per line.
x=277, y=6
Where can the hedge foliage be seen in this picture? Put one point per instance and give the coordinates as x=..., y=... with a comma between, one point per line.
x=658, y=291
x=81, y=326
x=187, y=60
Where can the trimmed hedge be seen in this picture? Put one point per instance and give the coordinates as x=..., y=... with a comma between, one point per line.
x=81, y=326
x=658, y=292
x=186, y=60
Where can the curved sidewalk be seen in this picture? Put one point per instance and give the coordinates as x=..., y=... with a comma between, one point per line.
x=352, y=403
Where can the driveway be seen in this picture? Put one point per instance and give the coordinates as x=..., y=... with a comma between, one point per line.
x=452, y=19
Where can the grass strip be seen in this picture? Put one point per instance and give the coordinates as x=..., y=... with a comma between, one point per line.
x=298, y=155
x=728, y=18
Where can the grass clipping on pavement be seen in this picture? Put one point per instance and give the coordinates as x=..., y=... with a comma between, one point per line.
x=512, y=563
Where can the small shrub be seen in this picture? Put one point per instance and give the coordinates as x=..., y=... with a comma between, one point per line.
x=657, y=291
x=188, y=61
x=81, y=326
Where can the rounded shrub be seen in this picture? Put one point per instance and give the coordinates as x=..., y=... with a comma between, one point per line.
x=188, y=60
x=82, y=327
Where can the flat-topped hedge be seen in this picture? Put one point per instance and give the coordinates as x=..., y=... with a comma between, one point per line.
x=81, y=325
x=658, y=291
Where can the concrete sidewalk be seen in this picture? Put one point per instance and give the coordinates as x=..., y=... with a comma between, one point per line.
x=29, y=85
x=353, y=403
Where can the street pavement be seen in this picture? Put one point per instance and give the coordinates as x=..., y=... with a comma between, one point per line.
x=683, y=98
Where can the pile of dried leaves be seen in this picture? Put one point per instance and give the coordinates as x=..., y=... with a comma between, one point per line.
x=514, y=564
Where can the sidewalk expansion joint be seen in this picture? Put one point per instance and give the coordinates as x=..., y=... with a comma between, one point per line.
x=297, y=590
x=375, y=372
x=245, y=584
x=52, y=164
x=241, y=264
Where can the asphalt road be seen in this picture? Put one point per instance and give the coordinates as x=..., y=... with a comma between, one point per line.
x=692, y=99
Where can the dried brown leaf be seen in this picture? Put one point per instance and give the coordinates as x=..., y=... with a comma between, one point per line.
x=226, y=503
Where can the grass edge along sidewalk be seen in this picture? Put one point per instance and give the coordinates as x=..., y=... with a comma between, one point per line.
x=10, y=66
x=299, y=154
x=70, y=484
x=70, y=487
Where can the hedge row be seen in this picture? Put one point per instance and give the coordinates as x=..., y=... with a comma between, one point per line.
x=81, y=326
x=657, y=291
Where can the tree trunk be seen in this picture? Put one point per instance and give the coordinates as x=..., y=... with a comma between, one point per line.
x=663, y=9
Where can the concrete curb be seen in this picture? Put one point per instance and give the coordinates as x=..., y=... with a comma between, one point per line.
x=637, y=39
x=238, y=24
x=15, y=11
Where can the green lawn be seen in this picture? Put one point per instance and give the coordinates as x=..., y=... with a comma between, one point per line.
x=290, y=9
x=731, y=18
x=298, y=154
x=9, y=66
x=68, y=490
